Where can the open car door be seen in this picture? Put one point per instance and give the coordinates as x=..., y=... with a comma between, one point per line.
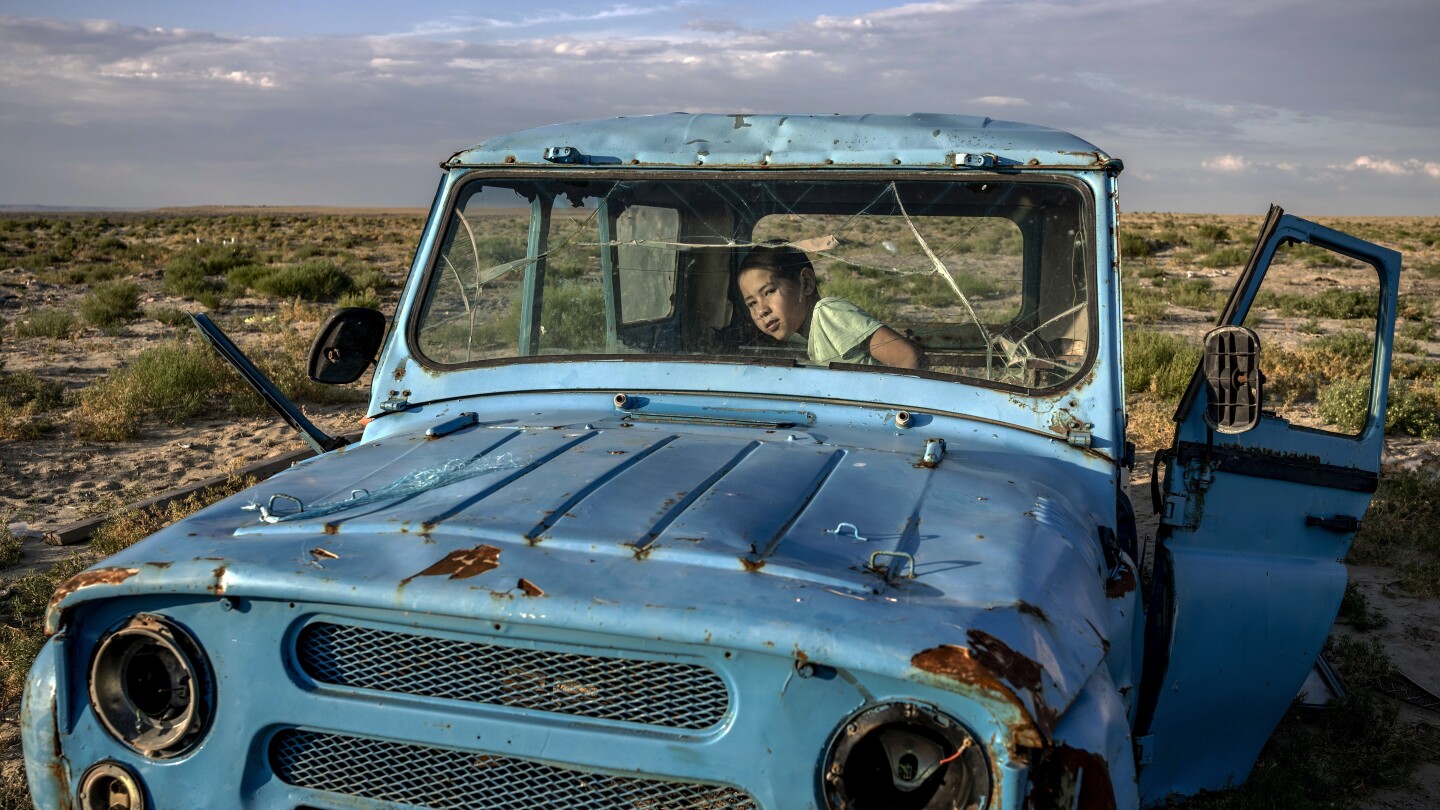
x=1255, y=523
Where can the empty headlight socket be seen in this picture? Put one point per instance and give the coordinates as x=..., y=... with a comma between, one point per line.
x=905, y=756
x=151, y=686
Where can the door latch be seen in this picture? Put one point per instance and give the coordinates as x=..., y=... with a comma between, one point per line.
x=1340, y=524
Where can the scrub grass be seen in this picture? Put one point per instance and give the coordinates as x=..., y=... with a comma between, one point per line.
x=1399, y=530
x=1158, y=363
x=310, y=280
x=26, y=402
x=11, y=548
x=180, y=380
x=172, y=382
x=111, y=304
x=1328, y=303
x=46, y=322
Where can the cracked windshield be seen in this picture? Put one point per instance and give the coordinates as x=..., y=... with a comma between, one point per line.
x=985, y=280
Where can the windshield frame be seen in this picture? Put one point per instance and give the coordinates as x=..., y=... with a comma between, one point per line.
x=1087, y=219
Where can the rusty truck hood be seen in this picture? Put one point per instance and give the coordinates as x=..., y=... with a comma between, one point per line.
x=976, y=570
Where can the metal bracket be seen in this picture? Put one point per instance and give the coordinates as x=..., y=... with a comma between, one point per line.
x=454, y=425
x=398, y=401
x=874, y=555
x=1144, y=752
x=267, y=512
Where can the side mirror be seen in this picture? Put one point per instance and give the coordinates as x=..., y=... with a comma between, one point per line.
x=346, y=346
x=1232, y=375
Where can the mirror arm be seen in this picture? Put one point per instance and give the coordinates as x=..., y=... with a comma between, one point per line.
x=319, y=440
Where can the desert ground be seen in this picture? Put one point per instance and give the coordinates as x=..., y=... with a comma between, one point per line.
x=107, y=398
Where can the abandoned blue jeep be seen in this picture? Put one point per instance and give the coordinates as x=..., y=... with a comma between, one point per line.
x=747, y=461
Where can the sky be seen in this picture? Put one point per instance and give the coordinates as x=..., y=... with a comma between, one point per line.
x=1326, y=107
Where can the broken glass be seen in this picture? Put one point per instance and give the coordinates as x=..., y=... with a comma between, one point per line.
x=991, y=279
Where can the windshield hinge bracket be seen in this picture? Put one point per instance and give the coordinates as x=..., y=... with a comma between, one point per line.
x=398, y=401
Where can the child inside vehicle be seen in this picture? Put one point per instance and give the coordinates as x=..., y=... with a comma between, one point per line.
x=778, y=286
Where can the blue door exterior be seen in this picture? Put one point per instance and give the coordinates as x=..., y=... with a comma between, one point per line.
x=1249, y=572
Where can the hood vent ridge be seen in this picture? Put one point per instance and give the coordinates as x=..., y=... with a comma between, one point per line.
x=831, y=465
x=589, y=489
x=694, y=494
x=533, y=465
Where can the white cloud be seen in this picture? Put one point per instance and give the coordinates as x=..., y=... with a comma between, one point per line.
x=243, y=77
x=1394, y=168
x=1226, y=163
x=1380, y=165
x=464, y=24
x=1000, y=101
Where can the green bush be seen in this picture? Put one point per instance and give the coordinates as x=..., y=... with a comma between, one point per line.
x=311, y=280
x=1159, y=363
x=1399, y=530
x=193, y=274
x=1345, y=404
x=111, y=304
x=1413, y=410
x=1233, y=256
x=11, y=551
x=1213, y=232
x=1329, y=303
x=48, y=322
x=366, y=299
x=1145, y=306
x=1417, y=330
x=170, y=316
x=574, y=317
x=371, y=279
x=1136, y=246
x=173, y=382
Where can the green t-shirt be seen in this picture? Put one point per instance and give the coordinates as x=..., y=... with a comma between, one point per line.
x=839, y=333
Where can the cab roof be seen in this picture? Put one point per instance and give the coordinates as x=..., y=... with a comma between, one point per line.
x=918, y=140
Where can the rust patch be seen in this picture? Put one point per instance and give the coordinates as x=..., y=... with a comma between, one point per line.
x=1026, y=607
x=1121, y=583
x=400, y=371
x=1015, y=668
x=323, y=554
x=160, y=565
x=462, y=564
x=530, y=588
x=750, y=565
x=1066, y=777
x=89, y=579
x=957, y=664
x=990, y=665
x=219, y=587
x=332, y=528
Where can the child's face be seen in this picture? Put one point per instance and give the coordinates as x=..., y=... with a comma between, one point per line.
x=780, y=307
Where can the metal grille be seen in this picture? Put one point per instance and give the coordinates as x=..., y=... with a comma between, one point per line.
x=441, y=778
x=657, y=693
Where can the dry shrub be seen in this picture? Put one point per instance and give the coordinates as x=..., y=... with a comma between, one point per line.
x=1151, y=423
x=1296, y=375
x=173, y=382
